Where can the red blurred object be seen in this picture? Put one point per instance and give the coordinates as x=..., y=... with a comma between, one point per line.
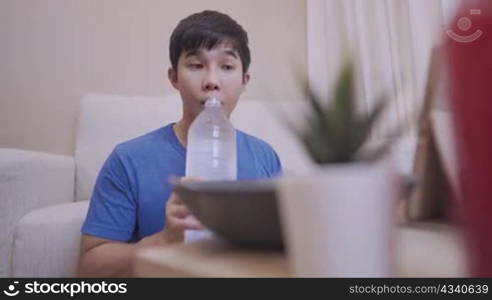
x=470, y=70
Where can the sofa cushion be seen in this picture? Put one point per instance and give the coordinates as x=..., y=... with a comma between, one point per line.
x=46, y=241
x=29, y=180
x=106, y=120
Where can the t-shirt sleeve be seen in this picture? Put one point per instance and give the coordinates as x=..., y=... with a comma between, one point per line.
x=112, y=209
x=269, y=158
x=275, y=164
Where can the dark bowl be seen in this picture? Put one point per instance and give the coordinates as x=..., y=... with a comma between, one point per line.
x=243, y=212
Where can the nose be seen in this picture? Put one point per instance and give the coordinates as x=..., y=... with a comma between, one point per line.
x=211, y=81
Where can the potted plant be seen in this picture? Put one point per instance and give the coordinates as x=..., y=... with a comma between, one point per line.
x=338, y=220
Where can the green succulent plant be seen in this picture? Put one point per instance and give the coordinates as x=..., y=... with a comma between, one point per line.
x=335, y=132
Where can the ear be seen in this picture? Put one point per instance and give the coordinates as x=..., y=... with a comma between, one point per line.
x=246, y=78
x=173, y=77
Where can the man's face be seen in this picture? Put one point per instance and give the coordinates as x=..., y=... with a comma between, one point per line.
x=202, y=73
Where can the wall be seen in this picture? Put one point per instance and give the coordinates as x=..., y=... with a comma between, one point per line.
x=54, y=51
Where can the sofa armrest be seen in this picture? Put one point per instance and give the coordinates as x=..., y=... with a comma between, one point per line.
x=30, y=180
x=46, y=241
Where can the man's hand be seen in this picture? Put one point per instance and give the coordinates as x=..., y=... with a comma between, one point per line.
x=178, y=219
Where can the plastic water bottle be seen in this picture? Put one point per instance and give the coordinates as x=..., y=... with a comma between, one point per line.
x=211, y=145
x=211, y=151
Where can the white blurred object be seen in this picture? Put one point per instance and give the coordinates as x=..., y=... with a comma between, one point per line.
x=339, y=222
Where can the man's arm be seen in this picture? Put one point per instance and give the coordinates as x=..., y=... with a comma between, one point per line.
x=107, y=258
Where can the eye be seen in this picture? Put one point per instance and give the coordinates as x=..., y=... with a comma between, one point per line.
x=195, y=66
x=228, y=67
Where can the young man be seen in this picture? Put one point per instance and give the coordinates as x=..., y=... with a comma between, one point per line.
x=132, y=204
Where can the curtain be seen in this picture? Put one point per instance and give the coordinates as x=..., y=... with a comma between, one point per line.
x=391, y=42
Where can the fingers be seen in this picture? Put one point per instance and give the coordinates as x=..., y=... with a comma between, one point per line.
x=174, y=179
x=174, y=199
x=178, y=216
x=191, y=179
x=192, y=223
x=179, y=211
x=189, y=222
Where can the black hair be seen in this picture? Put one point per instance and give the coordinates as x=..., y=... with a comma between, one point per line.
x=208, y=29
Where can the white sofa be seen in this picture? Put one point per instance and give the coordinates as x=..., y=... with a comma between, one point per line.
x=43, y=197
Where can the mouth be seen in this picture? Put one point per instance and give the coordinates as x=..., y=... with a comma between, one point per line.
x=202, y=102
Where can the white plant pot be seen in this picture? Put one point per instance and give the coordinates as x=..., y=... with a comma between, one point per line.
x=339, y=221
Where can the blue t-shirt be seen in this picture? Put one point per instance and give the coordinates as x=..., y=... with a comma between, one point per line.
x=131, y=191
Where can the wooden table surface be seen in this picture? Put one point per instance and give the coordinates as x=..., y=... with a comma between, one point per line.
x=420, y=252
